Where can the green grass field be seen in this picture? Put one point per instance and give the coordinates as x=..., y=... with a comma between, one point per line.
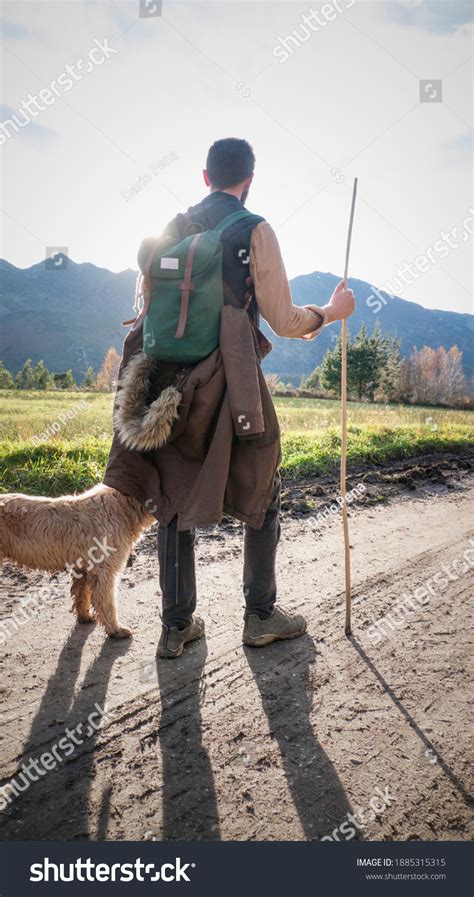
x=73, y=458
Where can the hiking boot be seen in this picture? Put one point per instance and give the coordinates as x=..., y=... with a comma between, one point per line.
x=173, y=640
x=279, y=625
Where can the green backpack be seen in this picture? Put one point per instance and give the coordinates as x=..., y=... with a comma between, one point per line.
x=183, y=293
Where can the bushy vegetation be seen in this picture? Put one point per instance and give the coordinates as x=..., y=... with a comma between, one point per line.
x=376, y=372
x=74, y=458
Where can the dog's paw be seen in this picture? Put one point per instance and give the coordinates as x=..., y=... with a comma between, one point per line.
x=87, y=618
x=121, y=632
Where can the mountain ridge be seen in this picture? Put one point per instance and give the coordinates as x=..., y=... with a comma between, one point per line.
x=69, y=316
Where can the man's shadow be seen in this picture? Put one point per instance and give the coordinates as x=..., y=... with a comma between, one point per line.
x=57, y=804
x=288, y=699
x=189, y=796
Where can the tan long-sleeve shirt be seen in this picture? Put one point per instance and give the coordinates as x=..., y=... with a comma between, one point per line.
x=272, y=290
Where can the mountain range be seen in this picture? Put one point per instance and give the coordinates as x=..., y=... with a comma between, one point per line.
x=69, y=315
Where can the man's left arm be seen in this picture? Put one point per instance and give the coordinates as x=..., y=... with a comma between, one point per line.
x=273, y=294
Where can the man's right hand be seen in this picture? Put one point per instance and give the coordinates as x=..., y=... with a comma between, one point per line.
x=341, y=304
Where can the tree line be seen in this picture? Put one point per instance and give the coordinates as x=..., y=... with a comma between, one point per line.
x=38, y=376
x=377, y=372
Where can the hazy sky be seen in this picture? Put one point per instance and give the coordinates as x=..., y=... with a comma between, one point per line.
x=344, y=101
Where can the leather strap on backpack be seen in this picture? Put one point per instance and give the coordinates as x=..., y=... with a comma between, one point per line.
x=186, y=286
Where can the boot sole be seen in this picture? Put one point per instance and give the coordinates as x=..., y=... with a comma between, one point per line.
x=262, y=640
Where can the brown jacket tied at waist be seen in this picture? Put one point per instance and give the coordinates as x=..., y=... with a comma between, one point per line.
x=224, y=448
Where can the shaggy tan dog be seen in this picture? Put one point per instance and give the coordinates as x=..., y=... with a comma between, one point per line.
x=90, y=535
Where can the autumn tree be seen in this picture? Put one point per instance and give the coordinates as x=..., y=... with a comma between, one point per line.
x=453, y=380
x=433, y=376
x=108, y=375
x=274, y=383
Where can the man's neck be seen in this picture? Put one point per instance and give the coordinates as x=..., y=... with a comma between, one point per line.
x=237, y=192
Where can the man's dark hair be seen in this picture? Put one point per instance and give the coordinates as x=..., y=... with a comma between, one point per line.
x=229, y=162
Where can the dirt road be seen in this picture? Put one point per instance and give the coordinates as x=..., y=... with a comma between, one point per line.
x=281, y=743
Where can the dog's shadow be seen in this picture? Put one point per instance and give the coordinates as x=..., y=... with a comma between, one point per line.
x=57, y=803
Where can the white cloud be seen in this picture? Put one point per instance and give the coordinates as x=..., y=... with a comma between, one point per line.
x=444, y=16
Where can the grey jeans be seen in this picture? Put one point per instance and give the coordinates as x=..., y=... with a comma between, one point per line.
x=177, y=568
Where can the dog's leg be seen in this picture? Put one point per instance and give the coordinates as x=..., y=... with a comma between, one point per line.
x=81, y=600
x=103, y=599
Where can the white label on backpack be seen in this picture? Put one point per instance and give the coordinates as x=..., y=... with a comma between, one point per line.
x=171, y=264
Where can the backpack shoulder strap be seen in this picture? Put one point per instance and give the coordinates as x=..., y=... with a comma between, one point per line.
x=231, y=219
x=228, y=292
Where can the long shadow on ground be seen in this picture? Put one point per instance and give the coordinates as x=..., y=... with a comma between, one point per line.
x=290, y=704
x=56, y=805
x=189, y=798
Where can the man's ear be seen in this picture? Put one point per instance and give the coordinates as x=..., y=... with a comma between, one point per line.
x=247, y=183
x=206, y=178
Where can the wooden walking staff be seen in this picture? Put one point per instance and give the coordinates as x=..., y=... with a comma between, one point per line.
x=345, y=521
